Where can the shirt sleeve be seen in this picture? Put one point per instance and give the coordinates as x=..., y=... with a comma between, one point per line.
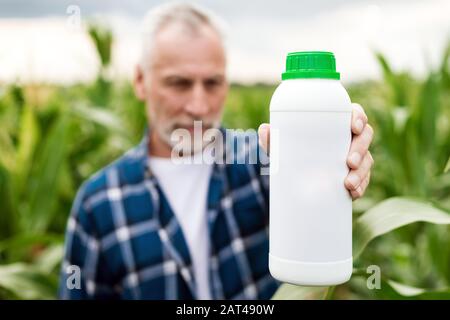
x=82, y=266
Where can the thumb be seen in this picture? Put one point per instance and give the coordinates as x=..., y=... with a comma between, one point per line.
x=264, y=136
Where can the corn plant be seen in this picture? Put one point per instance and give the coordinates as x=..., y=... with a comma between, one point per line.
x=54, y=137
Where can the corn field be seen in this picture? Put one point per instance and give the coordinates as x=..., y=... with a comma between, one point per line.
x=54, y=137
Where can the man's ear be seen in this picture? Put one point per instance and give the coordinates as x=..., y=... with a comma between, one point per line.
x=139, y=83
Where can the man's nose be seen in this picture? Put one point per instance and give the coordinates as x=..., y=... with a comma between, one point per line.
x=197, y=105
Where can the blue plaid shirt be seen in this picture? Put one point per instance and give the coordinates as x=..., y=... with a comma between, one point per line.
x=125, y=239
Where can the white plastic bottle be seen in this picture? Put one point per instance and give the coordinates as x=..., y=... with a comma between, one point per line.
x=310, y=208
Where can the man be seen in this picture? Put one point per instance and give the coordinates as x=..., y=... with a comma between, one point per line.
x=146, y=227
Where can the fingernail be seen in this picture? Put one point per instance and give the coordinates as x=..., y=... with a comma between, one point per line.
x=359, y=125
x=355, y=158
x=353, y=179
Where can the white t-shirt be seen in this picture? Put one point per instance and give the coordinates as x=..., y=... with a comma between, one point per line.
x=186, y=189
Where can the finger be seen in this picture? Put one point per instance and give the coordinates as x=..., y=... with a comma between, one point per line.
x=359, y=147
x=355, y=177
x=359, y=192
x=264, y=136
x=359, y=119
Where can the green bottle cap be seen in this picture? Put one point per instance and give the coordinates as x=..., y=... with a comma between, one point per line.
x=310, y=64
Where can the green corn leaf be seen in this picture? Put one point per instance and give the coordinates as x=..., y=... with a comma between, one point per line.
x=23, y=281
x=391, y=289
x=404, y=290
x=8, y=221
x=391, y=214
x=444, y=69
x=102, y=38
x=50, y=258
x=8, y=152
x=45, y=178
x=394, y=290
x=28, y=138
x=395, y=81
x=427, y=113
x=100, y=116
x=25, y=240
x=293, y=292
x=447, y=167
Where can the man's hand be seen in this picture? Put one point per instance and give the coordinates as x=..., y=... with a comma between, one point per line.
x=359, y=159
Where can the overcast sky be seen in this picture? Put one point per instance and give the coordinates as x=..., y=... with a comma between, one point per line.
x=284, y=9
x=37, y=45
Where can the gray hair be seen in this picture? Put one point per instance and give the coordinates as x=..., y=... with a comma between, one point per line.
x=188, y=15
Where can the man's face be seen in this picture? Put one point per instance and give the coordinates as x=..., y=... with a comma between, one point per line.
x=184, y=81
